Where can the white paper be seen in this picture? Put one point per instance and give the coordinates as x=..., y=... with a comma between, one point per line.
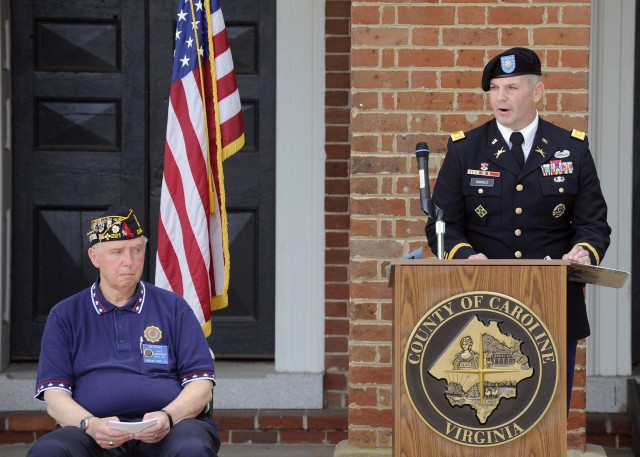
x=132, y=427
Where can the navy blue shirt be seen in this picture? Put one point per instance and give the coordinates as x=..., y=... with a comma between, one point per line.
x=123, y=361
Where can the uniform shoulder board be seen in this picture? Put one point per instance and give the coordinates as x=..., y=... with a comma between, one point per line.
x=578, y=134
x=457, y=136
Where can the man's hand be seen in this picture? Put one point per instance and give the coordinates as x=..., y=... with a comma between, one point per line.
x=155, y=432
x=479, y=256
x=578, y=255
x=106, y=437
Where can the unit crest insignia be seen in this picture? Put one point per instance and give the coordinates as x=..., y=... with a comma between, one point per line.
x=480, y=369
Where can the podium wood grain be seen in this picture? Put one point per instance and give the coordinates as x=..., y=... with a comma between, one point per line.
x=419, y=285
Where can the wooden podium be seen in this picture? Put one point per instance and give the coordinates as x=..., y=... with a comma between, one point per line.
x=479, y=358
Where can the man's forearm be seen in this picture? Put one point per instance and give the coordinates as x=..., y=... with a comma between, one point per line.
x=192, y=400
x=63, y=408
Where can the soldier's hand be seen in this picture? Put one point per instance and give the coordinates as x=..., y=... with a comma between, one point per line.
x=479, y=256
x=578, y=255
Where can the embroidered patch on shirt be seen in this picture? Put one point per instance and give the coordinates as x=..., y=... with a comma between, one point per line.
x=155, y=353
x=480, y=211
x=152, y=334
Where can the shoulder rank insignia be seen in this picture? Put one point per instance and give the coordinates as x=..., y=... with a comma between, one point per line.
x=578, y=134
x=457, y=136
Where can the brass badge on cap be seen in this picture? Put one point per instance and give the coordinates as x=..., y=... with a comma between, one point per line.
x=559, y=210
x=152, y=334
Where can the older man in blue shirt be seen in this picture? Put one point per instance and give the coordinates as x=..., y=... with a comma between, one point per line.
x=124, y=350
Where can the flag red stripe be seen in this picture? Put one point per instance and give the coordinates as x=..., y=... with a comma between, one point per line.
x=192, y=143
x=227, y=85
x=220, y=42
x=169, y=260
x=197, y=267
x=232, y=129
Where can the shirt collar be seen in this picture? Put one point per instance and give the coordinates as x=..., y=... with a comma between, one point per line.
x=529, y=134
x=102, y=306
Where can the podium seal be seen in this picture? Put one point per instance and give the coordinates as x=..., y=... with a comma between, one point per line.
x=481, y=369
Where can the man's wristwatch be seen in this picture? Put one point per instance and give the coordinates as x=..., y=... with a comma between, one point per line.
x=84, y=423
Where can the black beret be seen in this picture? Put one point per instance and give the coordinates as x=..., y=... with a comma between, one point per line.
x=513, y=62
x=115, y=224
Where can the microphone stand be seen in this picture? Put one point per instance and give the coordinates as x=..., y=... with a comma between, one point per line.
x=440, y=229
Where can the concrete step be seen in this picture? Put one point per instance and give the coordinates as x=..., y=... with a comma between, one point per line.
x=272, y=450
x=227, y=450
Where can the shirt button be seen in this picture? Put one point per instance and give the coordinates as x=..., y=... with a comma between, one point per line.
x=121, y=341
x=518, y=232
x=519, y=187
x=481, y=191
x=518, y=254
x=518, y=210
x=561, y=190
x=119, y=325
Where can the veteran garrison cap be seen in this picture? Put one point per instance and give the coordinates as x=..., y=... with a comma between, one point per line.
x=115, y=224
x=513, y=62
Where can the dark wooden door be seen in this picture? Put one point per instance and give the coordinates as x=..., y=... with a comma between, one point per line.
x=90, y=87
x=246, y=327
x=78, y=145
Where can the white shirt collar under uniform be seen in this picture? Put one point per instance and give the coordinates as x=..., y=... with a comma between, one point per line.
x=529, y=134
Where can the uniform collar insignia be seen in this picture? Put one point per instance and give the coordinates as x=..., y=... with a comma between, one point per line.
x=500, y=151
x=542, y=153
x=495, y=140
x=544, y=140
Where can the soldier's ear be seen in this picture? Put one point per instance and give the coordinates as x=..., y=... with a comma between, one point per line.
x=538, y=91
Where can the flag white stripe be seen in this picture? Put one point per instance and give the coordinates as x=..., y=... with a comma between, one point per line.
x=229, y=106
x=224, y=64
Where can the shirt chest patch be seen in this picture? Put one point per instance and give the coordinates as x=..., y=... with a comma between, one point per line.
x=155, y=353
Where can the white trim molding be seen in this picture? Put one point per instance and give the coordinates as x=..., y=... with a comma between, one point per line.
x=300, y=162
x=611, y=136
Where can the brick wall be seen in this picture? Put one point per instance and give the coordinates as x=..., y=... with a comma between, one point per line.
x=338, y=46
x=416, y=71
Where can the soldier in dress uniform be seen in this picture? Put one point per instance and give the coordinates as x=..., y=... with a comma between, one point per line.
x=519, y=187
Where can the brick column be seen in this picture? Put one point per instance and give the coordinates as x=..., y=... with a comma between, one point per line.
x=337, y=103
x=415, y=76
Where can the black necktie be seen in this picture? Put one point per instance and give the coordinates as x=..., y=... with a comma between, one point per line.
x=516, y=140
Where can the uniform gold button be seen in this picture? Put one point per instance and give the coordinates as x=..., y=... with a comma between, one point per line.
x=480, y=191
x=518, y=232
x=518, y=210
x=519, y=187
x=561, y=190
x=518, y=254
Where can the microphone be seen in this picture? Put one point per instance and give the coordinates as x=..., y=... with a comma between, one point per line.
x=422, y=154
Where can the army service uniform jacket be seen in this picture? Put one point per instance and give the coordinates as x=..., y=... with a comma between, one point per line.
x=553, y=203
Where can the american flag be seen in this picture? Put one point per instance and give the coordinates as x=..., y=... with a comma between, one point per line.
x=204, y=127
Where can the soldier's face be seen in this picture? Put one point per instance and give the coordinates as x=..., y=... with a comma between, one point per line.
x=513, y=100
x=120, y=263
